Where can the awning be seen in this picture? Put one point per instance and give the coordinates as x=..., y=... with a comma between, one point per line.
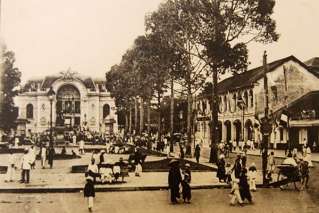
x=303, y=123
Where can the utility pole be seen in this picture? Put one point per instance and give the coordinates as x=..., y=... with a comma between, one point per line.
x=265, y=123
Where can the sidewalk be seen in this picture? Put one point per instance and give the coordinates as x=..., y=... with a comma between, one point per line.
x=60, y=179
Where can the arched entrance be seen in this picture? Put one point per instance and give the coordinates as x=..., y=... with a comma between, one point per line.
x=68, y=106
x=238, y=130
x=249, y=130
x=228, y=130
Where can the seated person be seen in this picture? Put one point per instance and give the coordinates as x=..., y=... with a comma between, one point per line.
x=116, y=171
x=116, y=149
x=63, y=151
x=290, y=161
x=106, y=174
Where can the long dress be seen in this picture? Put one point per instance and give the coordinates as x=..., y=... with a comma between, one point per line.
x=221, y=171
x=174, y=179
x=244, y=188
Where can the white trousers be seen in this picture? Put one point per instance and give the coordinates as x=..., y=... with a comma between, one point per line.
x=43, y=159
x=236, y=198
x=252, y=184
x=90, y=202
x=10, y=173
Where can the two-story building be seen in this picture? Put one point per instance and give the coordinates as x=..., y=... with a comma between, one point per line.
x=291, y=83
x=78, y=101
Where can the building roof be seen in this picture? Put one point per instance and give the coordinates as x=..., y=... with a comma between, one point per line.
x=248, y=78
x=313, y=65
x=47, y=82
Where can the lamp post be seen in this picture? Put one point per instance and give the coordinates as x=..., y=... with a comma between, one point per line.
x=51, y=95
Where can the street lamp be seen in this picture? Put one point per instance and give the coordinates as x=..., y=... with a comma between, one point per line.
x=51, y=95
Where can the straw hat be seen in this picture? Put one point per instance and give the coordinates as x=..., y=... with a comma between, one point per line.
x=187, y=165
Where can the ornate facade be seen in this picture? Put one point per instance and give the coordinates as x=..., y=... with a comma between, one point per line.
x=78, y=101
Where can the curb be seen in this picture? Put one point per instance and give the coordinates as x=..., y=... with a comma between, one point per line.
x=112, y=189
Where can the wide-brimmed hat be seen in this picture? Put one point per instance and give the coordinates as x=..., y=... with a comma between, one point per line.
x=187, y=165
x=173, y=161
x=221, y=156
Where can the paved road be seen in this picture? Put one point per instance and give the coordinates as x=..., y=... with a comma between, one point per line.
x=214, y=200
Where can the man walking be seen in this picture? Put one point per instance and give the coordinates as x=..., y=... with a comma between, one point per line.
x=26, y=167
x=51, y=156
x=174, y=180
x=43, y=156
x=11, y=167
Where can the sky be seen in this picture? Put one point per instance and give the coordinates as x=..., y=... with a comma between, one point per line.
x=50, y=36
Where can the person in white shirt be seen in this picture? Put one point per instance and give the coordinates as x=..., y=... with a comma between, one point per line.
x=26, y=167
x=74, y=139
x=11, y=167
x=43, y=156
x=81, y=146
x=93, y=170
x=290, y=161
x=32, y=153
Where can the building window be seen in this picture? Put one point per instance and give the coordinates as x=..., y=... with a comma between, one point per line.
x=225, y=103
x=235, y=101
x=106, y=110
x=251, y=96
x=275, y=93
x=29, y=111
x=281, y=132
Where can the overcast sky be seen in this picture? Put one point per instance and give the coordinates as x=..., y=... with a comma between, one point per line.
x=49, y=36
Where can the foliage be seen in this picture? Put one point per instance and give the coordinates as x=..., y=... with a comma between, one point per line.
x=9, y=81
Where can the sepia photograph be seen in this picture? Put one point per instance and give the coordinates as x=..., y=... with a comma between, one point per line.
x=159, y=106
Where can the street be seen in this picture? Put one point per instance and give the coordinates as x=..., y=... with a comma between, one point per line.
x=214, y=200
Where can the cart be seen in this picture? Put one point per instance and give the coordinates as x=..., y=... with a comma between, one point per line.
x=288, y=174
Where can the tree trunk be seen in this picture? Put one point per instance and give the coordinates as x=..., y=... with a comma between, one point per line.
x=135, y=116
x=172, y=117
x=141, y=115
x=149, y=123
x=159, y=121
x=214, y=127
x=189, y=122
x=126, y=123
x=130, y=121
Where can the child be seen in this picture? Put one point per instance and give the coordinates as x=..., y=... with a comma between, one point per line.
x=252, y=174
x=228, y=173
x=89, y=191
x=187, y=195
x=235, y=194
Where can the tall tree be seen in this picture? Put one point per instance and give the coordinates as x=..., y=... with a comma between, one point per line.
x=171, y=25
x=214, y=33
x=11, y=78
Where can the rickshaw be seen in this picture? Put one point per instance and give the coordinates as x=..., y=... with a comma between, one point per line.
x=289, y=174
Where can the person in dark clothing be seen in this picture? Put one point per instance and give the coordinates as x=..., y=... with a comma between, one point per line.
x=51, y=154
x=187, y=193
x=174, y=179
x=182, y=154
x=237, y=166
x=197, y=153
x=221, y=170
x=244, y=186
x=89, y=191
x=243, y=161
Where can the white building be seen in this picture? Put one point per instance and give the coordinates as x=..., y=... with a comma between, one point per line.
x=290, y=83
x=78, y=101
